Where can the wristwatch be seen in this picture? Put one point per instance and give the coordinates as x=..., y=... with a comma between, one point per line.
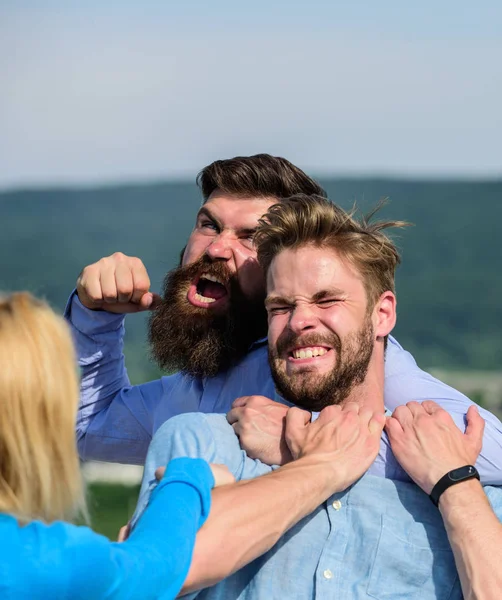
x=451, y=478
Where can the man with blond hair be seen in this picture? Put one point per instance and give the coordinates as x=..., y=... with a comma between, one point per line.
x=331, y=307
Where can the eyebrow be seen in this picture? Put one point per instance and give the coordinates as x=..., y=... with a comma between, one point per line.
x=327, y=293
x=205, y=212
x=277, y=300
x=315, y=298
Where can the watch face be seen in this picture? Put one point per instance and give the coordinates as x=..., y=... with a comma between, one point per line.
x=461, y=473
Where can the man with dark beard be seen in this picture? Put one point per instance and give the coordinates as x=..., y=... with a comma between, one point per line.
x=187, y=337
x=331, y=307
x=209, y=326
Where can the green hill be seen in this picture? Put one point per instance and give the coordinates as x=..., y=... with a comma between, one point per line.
x=449, y=284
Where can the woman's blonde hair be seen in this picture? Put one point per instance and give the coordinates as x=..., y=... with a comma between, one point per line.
x=39, y=466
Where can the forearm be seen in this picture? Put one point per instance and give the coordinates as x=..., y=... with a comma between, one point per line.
x=249, y=517
x=475, y=534
x=113, y=422
x=160, y=547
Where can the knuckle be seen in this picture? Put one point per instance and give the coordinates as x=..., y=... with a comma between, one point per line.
x=134, y=261
x=124, y=289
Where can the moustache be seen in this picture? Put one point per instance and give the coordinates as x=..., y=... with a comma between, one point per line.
x=290, y=340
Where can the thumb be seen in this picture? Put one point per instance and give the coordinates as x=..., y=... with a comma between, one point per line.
x=149, y=301
x=297, y=421
x=475, y=427
x=376, y=424
x=296, y=418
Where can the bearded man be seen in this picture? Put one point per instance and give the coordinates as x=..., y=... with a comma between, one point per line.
x=331, y=307
x=210, y=325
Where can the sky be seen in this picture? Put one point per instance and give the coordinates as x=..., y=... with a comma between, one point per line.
x=119, y=91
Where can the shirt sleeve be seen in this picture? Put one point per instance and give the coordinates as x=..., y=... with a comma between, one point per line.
x=405, y=381
x=63, y=561
x=114, y=421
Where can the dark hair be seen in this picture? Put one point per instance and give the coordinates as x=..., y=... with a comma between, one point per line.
x=258, y=176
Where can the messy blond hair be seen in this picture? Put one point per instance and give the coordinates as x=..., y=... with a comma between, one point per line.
x=39, y=466
x=313, y=220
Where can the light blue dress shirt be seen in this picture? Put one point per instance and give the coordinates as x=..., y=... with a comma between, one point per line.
x=116, y=421
x=381, y=538
x=62, y=562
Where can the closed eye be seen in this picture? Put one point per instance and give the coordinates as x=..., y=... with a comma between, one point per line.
x=327, y=302
x=206, y=224
x=247, y=240
x=278, y=310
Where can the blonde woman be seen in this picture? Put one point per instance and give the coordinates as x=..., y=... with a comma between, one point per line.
x=41, y=486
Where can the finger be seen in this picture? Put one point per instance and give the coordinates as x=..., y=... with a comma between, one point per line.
x=365, y=415
x=415, y=408
x=475, y=426
x=159, y=473
x=297, y=418
x=351, y=407
x=237, y=429
x=376, y=424
x=221, y=474
x=403, y=415
x=124, y=282
x=141, y=281
x=430, y=406
x=234, y=415
x=108, y=283
x=149, y=301
x=239, y=402
x=124, y=533
x=393, y=428
x=156, y=301
x=89, y=288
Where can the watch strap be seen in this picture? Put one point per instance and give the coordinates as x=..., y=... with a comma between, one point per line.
x=451, y=478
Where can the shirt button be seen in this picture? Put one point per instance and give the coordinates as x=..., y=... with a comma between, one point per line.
x=337, y=505
x=328, y=574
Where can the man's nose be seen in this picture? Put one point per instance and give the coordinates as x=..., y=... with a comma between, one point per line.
x=302, y=319
x=220, y=248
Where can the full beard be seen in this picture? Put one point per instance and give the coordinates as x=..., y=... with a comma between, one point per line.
x=308, y=390
x=198, y=341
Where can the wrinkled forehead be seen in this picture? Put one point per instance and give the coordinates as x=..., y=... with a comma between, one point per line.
x=308, y=271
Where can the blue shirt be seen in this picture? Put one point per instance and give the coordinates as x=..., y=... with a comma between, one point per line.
x=116, y=421
x=380, y=538
x=62, y=561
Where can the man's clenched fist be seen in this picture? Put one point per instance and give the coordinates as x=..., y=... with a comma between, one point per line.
x=118, y=284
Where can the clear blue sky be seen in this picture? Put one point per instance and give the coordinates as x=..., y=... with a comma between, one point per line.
x=119, y=90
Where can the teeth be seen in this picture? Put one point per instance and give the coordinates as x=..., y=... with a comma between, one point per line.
x=211, y=278
x=204, y=299
x=309, y=352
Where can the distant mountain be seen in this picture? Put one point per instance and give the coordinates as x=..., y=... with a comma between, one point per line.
x=449, y=285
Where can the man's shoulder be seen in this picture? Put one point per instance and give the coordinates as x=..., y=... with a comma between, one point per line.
x=197, y=435
x=405, y=380
x=196, y=425
x=207, y=436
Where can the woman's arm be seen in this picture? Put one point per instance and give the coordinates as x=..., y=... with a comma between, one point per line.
x=64, y=561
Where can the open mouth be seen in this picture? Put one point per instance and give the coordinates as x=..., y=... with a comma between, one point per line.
x=207, y=291
x=308, y=353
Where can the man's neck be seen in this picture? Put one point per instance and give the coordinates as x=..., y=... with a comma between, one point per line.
x=369, y=394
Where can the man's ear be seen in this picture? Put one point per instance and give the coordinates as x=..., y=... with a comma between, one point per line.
x=384, y=314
